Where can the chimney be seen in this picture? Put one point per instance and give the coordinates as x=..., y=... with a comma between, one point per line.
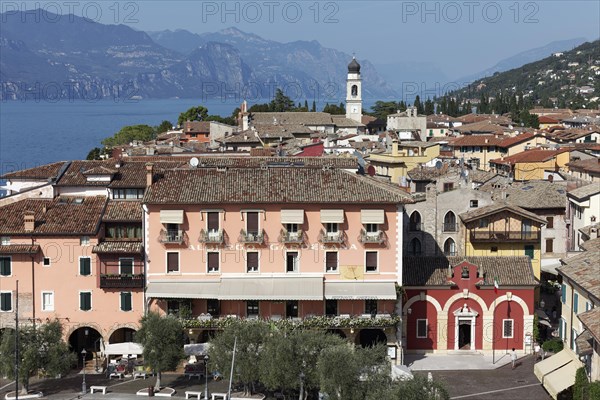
x=149, y=174
x=29, y=221
x=394, y=147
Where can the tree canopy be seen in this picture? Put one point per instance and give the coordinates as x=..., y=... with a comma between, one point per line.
x=198, y=113
x=130, y=133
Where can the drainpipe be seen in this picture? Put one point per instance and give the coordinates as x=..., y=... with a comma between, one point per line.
x=33, y=281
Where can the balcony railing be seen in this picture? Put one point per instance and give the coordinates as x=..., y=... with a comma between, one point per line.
x=414, y=226
x=291, y=237
x=504, y=236
x=332, y=237
x=251, y=237
x=171, y=236
x=371, y=237
x=211, y=236
x=110, y=281
x=450, y=227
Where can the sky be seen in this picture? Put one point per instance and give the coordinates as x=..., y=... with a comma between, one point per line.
x=461, y=37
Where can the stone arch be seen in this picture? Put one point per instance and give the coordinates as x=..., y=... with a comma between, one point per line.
x=93, y=325
x=514, y=298
x=458, y=296
x=116, y=327
x=450, y=247
x=428, y=298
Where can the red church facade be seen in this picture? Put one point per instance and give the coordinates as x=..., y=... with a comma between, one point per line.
x=450, y=303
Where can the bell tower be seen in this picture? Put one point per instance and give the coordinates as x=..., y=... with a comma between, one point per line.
x=354, y=92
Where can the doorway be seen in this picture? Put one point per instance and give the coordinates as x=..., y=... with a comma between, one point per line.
x=464, y=335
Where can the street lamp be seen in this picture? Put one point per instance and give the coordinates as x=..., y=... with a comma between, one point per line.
x=83, y=386
x=301, y=376
x=206, y=376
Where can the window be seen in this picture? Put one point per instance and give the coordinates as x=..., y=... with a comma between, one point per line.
x=573, y=337
x=85, y=301
x=85, y=266
x=331, y=228
x=5, y=266
x=494, y=249
x=212, y=219
x=449, y=247
x=172, y=262
x=128, y=193
x=450, y=222
x=46, y=261
x=5, y=240
x=561, y=328
x=507, y=328
x=575, y=302
x=448, y=186
x=414, y=248
x=371, y=307
x=5, y=301
x=549, y=245
x=331, y=261
x=420, y=187
x=291, y=229
x=477, y=149
x=126, y=266
x=372, y=228
x=550, y=222
x=213, y=307
x=126, y=301
x=47, y=301
x=588, y=306
x=474, y=203
x=483, y=223
x=371, y=261
x=291, y=261
x=529, y=251
x=563, y=293
x=252, y=261
x=213, y=261
x=84, y=241
x=291, y=309
x=252, y=223
x=252, y=308
x=124, y=231
x=331, y=308
x=422, y=328
x=415, y=221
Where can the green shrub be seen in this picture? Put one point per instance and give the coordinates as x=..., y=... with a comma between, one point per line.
x=581, y=386
x=594, y=390
x=553, y=346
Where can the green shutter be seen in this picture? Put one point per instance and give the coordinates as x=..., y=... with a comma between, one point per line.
x=125, y=301
x=529, y=251
x=576, y=303
x=563, y=293
x=85, y=301
x=5, y=269
x=5, y=301
x=85, y=267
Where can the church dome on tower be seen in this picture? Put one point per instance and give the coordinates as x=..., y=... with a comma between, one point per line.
x=354, y=67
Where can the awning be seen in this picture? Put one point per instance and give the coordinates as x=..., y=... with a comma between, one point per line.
x=171, y=216
x=123, y=348
x=332, y=216
x=183, y=290
x=288, y=288
x=584, y=343
x=292, y=216
x=550, y=265
x=372, y=217
x=557, y=373
x=352, y=290
x=196, y=349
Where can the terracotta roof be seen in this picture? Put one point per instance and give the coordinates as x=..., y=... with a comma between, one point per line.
x=42, y=172
x=123, y=211
x=294, y=118
x=544, y=119
x=341, y=121
x=62, y=215
x=481, y=176
x=572, y=134
x=533, y=195
x=589, y=230
x=100, y=170
x=586, y=191
x=196, y=126
x=589, y=165
x=591, y=320
x=432, y=271
x=271, y=185
x=431, y=173
x=584, y=270
x=496, y=208
x=439, y=118
x=472, y=118
x=477, y=140
x=511, y=141
x=529, y=156
x=19, y=249
x=481, y=126
x=120, y=247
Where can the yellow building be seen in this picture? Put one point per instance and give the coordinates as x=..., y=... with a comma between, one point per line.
x=403, y=157
x=502, y=229
x=531, y=164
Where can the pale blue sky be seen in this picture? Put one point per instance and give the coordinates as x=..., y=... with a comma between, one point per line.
x=462, y=37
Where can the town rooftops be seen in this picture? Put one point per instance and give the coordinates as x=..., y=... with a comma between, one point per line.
x=42, y=172
x=589, y=165
x=473, y=118
x=496, y=208
x=583, y=192
x=584, y=270
x=480, y=127
x=123, y=211
x=431, y=173
x=342, y=122
x=529, y=156
x=293, y=118
x=282, y=184
x=109, y=247
x=59, y=216
x=501, y=140
x=19, y=249
x=534, y=195
x=433, y=271
x=591, y=320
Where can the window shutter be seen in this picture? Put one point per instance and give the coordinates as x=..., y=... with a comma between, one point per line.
x=331, y=260
x=125, y=301
x=213, y=221
x=126, y=266
x=172, y=262
x=85, y=301
x=6, y=300
x=85, y=266
x=5, y=266
x=252, y=260
x=371, y=260
x=213, y=261
x=252, y=222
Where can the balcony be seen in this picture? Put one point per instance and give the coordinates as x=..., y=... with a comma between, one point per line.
x=332, y=237
x=371, y=237
x=291, y=237
x=252, y=237
x=123, y=281
x=449, y=227
x=504, y=236
x=171, y=236
x=215, y=237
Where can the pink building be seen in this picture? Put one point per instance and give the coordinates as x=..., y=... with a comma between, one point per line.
x=303, y=243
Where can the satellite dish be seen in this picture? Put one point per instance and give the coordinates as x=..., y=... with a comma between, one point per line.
x=194, y=162
x=438, y=165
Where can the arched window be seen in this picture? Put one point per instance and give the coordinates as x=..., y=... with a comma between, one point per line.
x=415, y=221
x=449, y=247
x=354, y=90
x=450, y=222
x=414, y=247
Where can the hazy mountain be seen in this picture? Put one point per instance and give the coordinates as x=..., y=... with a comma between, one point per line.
x=178, y=40
x=523, y=58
